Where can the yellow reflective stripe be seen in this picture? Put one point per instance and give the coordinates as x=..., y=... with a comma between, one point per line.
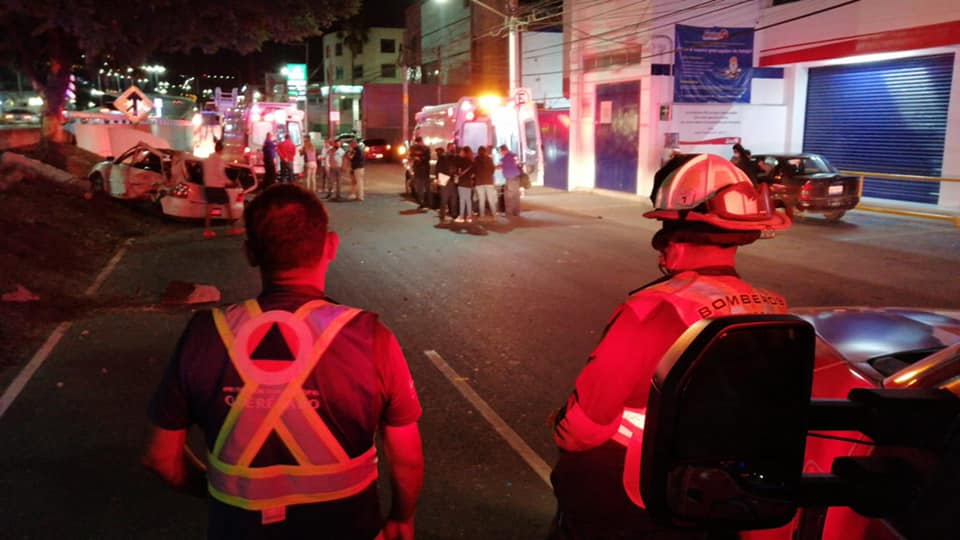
x=226, y=334
x=294, y=390
x=303, y=311
x=292, y=445
x=253, y=308
x=288, y=500
x=271, y=471
x=322, y=431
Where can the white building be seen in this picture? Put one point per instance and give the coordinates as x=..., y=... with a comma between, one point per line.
x=377, y=60
x=541, y=68
x=872, y=84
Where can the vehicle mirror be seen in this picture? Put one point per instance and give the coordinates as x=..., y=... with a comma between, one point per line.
x=726, y=423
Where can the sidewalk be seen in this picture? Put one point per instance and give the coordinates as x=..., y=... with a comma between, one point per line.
x=628, y=207
x=603, y=204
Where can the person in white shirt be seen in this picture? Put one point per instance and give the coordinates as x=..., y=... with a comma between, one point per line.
x=334, y=162
x=215, y=184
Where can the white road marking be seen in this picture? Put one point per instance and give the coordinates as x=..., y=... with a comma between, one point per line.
x=108, y=269
x=22, y=378
x=533, y=459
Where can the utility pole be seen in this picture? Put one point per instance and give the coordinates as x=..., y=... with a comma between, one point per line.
x=513, y=45
x=306, y=90
x=406, y=104
x=331, y=131
x=439, y=75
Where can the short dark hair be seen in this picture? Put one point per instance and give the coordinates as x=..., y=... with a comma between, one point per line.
x=286, y=228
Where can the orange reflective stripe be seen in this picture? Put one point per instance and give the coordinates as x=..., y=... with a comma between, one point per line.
x=324, y=470
x=293, y=388
x=271, y=471
x=253, y=308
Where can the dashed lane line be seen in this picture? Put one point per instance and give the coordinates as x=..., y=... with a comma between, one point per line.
x=533, y=459
x=22, y=378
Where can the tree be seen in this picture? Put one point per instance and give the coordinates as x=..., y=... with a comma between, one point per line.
x=47, y=39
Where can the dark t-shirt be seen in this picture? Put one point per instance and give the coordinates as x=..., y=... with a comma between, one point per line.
x=359, y=385
x=483, y=169
x=465, y=172
x=357, y=159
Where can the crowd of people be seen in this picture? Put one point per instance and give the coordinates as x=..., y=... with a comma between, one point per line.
x=325, y=168
x=465, y=177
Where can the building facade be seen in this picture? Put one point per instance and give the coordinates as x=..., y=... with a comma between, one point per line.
x=457, y=42
x=349, y=59
x=872, y=85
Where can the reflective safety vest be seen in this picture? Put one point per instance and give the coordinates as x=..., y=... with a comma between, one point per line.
x=694, y=297
x=272, y=400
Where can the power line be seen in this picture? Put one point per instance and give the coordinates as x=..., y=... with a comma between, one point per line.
x=757, y=29
x=652, y=19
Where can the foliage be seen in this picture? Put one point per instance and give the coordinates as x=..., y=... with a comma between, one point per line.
x=44, y=38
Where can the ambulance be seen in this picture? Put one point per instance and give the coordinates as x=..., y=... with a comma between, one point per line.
x=487, y=121
x=245, y=128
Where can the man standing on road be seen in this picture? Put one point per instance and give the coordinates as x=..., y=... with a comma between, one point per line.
x=290, y=390
x=511, y=172
x=333, y=164
x=420, y=154
x=287, y=152
x=215, y=184
x=357, y=160
x=269, y=161
x=708, y=207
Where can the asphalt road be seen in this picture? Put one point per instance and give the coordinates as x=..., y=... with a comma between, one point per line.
x=510, y=311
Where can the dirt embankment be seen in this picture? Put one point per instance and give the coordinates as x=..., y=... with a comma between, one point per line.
x=53, y=242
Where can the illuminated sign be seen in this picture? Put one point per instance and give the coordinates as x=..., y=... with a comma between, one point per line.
x=296, y=75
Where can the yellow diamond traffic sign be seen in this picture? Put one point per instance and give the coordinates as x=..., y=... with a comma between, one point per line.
x=133, y=103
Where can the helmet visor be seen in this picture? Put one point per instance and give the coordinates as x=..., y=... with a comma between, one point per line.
x=742, y=202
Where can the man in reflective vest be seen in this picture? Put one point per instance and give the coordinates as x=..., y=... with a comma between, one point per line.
x=708, y=207
x=290, y=390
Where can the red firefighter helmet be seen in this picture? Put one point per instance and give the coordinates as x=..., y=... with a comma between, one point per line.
x=709, y=189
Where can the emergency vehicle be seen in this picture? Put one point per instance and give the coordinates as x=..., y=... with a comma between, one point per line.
x=487, y=121
x=246, y=127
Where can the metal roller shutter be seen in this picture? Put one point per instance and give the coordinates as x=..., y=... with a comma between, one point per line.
x=886, y=117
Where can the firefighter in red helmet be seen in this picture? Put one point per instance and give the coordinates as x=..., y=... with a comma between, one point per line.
x=707, y=208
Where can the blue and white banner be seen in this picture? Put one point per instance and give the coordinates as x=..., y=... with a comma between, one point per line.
x=712, y=65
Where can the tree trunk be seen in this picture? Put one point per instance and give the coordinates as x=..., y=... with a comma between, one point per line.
x=54, y=93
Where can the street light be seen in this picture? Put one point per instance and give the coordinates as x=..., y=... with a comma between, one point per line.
x=512, y=37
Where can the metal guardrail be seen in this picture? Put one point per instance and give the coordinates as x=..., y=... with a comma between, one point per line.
x=952, y=218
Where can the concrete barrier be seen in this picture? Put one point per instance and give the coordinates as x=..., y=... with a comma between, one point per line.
x=17, y=137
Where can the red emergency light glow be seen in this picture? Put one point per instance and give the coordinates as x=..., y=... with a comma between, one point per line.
x=470, y=115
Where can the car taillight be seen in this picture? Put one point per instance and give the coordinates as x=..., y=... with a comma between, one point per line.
x=246, y=149
x=240, y=197
x=181, y=191
x=388, y=147
x=806, y=192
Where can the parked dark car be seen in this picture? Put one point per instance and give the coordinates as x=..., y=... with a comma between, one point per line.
x=377, y=149
x=808, y=183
